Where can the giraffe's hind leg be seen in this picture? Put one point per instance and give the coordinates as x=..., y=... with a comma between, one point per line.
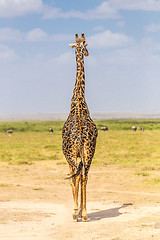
x=74, y=182
x=83, y=212
x=83, y=198
x=84, y=178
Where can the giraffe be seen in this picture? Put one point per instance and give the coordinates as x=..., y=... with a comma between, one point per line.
x=79, y=134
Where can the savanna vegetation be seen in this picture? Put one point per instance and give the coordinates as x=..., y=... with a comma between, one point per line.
x=31, y=141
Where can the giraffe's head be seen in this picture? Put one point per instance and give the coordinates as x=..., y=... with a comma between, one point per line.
x=80, y=44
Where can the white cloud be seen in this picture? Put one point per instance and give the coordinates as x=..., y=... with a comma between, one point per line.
x=52, y=12
x=108, y=39
x=36, y=35
x=103, y=39
x=145, y=5
x=106, y=10
x=98, y=28
x=7, y=55
x=121, y=24
x=12, y=8
x=103, y=11
x=61, y=37
x=8, y=34
x=65, y=58
x=142, y=55
x=152, y=28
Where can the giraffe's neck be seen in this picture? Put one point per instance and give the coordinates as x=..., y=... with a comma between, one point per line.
x=78, y=103
x=79, y=88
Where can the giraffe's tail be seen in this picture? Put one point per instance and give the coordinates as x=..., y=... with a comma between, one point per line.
x=78, y=171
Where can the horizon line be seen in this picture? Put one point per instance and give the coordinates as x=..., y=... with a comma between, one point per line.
x=95, y=115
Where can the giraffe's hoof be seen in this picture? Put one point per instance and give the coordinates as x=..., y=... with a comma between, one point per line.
x=85, y=219
x=75, y=216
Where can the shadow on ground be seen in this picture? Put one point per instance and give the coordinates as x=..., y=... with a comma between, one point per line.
x=109, y=213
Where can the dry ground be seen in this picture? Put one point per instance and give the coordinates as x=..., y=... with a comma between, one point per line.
x=36, y=204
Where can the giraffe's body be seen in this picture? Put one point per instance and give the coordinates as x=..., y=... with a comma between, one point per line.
x=79, y=133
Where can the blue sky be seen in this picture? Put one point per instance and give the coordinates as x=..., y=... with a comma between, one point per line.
x=37, y=67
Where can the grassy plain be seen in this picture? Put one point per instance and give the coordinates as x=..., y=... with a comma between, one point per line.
x=31, y=142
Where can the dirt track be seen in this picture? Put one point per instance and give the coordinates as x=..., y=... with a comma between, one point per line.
x=36, y=203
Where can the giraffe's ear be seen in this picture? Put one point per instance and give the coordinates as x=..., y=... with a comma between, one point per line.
x=77, y=38
x=82, y=36
x=72, y=45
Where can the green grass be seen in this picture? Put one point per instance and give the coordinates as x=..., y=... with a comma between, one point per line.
x=31, y=142
x=147, y=124
x=127, y=148
x=31, y=126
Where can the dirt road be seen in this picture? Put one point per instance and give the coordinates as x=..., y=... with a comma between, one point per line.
x=36, y=204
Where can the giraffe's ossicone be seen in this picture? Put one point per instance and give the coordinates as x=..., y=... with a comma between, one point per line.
x=79, y=133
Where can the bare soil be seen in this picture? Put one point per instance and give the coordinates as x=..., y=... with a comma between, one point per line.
x=36, y=203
